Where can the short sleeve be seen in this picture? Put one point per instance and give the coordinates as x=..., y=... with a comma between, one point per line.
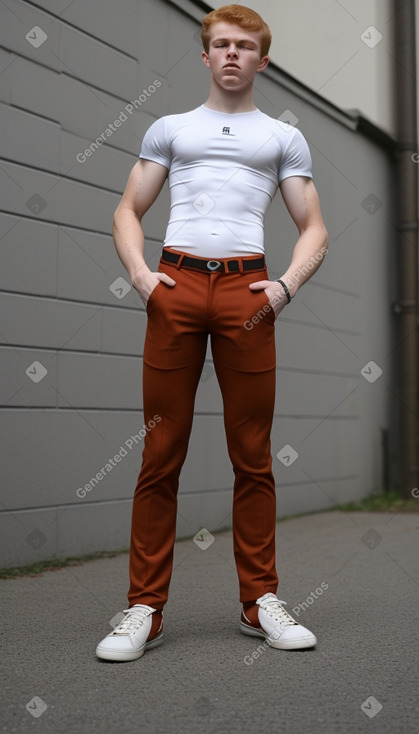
x=297, y=158
x=155, y=146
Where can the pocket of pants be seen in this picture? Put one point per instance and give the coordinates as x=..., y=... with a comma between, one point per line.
x=271, y=311
x=152, y=295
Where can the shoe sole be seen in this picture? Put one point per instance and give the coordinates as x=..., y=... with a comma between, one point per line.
x=301, y=644
x=126, y=657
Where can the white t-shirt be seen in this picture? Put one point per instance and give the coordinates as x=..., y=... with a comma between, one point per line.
x=224, y=171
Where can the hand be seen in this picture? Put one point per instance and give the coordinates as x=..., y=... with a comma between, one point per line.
x=274, y=292
x=148, y=282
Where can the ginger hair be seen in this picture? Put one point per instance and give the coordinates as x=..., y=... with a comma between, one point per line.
x=239, y=15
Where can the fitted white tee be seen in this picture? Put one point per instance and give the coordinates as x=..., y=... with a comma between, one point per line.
x=224, y=170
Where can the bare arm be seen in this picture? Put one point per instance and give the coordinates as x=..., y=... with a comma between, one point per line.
x=301, y=199
x=143, y=187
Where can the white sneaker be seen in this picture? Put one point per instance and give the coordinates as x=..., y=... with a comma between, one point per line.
x=277, y=626
x=129, y=640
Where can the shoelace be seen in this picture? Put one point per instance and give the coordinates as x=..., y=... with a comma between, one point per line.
x=134, y=619
x=274, y=608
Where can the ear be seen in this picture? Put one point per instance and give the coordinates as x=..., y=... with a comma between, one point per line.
x=263, y=63
x=205, y=59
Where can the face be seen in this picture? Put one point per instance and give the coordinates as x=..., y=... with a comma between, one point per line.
x=234, y=56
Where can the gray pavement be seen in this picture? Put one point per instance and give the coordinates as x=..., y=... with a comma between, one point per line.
x=350, y=577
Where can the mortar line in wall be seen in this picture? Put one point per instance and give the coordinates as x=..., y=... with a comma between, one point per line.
x=278, y=486
x=43, y=508
x=80, y=30
x=279, y=368
x=53, y=299
x=69, y=131
x=84, y=230
x=215, y=490
x=61, y=177
x=197, y=414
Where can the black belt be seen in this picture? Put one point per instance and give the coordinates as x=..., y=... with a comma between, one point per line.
x=213, y=266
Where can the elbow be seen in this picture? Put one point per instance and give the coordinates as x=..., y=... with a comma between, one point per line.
x=317, y=231
x=322, y=234
x=121, y=214
x=116, y=216
x=115, y=222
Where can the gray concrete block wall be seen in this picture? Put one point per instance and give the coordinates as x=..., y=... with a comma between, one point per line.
x=60, y=428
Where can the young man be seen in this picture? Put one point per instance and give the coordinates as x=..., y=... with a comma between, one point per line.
x=225, y=161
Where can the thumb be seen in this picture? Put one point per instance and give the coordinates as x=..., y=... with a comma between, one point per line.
x=166, y=279
x=259, y=284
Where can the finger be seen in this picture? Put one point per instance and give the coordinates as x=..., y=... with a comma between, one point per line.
x=166, y=279
x=258, y=285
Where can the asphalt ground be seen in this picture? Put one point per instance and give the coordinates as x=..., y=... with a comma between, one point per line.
x=350, y=577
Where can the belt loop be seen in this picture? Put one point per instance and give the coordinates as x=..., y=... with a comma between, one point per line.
x=240, y=261
x=179, y=262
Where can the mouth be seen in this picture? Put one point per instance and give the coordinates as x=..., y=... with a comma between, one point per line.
x=231, y=66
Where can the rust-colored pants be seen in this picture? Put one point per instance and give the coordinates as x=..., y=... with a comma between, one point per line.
x=179, y=321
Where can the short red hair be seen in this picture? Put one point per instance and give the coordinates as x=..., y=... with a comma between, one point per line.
x=239, y=15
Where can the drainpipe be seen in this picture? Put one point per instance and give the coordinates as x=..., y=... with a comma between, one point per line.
x=406, y=308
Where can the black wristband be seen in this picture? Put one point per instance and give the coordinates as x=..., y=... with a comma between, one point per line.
x=286, y=291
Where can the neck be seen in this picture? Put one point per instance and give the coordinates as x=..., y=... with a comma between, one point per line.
x=226, y=100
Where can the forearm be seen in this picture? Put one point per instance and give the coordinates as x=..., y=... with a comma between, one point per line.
x=309, y=253
x=128, y=237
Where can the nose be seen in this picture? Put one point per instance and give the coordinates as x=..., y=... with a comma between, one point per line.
x=232, y=51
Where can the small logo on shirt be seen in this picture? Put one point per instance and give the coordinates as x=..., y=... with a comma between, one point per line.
x=226, y=131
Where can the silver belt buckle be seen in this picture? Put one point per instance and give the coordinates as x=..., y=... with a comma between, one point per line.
x=213, y=264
